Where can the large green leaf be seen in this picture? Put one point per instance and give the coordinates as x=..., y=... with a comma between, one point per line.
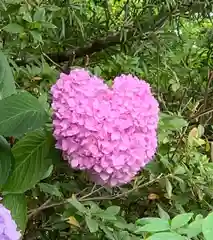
x=30, y=161
x=194, y=228
x=181, y=220
x=7, y=83
x=6, y=160
x=113, y=210
x=17, y=204
x=160, y=226
x=13, y=28
x=21, y=113
x=207, y=227
x=166, y=236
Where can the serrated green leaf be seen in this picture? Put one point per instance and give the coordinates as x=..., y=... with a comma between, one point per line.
x=166, y=236
x=7, y=83
x=21, y=113
x=17, y=204
x=30, y=161
x=207, y=227
x=13, y=28
x=91, y=224
x=6, y=160
x=50, y=189
x=181, y=220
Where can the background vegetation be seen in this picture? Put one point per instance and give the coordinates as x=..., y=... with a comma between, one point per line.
x=169, y=44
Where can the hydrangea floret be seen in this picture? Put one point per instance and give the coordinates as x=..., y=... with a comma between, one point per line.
x=8, y=227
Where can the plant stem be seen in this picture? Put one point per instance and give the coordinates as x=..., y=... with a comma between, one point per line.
x=88, y=198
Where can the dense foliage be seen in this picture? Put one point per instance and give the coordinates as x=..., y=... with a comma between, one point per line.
x=169, y=44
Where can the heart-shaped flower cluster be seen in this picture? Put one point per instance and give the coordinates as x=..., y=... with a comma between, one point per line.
x=8, y=227
x=109, y=132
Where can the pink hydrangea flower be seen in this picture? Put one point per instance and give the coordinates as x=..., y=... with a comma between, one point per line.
x=109, y=132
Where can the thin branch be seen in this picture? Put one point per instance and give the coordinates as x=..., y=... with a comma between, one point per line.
x=200, y=114
x=94, y=47
x=88, y=198
x=41, y=207
x=124, y=194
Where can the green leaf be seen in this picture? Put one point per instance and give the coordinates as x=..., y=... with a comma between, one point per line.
x=113, y=210
x=175, y=86
x=91, y=224
x=121, y=224
x=207, y=227
x=148, y=220
x=30, y=161
x=48, y=172
x=179, y=170
x=27, y=17
x=75, y=203
x=39, y=15
x=162, y=213
x=48, y=25
x=194, y=228
x=124, y=235
x=14, y=28
x=36, y=36
x=159, y=226
x=17, y=204
x=106, y=215
x=171, y=122
x=108, y=232
x=181, y=220
x=50, y=189
x=7, y=83
x=53, y=8
x=166, y=236
x=6, y=160
x=21, y=113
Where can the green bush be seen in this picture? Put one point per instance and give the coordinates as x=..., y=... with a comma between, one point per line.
x=167, y=43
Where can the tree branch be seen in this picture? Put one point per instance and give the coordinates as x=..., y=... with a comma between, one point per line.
x=87, y=197
x=111, y=40
x=96, y=46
